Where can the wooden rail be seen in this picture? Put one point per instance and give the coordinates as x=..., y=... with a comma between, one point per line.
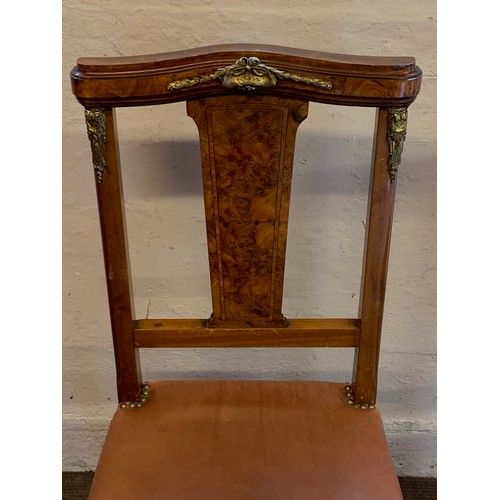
x=316, y=332
x=191, y=74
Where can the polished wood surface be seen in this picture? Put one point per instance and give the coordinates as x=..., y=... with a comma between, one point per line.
x=247, y=146
x=141, y=80
x=377, y=242
x=247, y=139
x=312, y=332
x=116, y=261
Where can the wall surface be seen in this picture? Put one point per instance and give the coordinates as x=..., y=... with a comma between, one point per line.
x=162, y=183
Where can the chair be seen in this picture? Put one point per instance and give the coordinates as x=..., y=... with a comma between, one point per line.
x=233, y=439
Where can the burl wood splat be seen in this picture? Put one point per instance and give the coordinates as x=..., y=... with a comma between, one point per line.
x=247, y=147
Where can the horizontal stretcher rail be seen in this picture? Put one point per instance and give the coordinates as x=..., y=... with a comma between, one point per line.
x=314, y=332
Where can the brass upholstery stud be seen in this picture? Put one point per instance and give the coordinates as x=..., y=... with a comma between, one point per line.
x=141, y=399
x=350, y=399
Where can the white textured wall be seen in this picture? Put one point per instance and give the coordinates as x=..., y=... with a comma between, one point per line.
x=162, y=182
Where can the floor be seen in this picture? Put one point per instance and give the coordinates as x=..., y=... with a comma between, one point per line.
x=76, y=486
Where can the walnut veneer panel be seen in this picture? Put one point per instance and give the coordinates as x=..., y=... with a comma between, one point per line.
x=247, y=147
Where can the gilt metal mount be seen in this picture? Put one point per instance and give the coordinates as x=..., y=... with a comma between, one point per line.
x=248, y=73
x=96, y=131
x=396, y=134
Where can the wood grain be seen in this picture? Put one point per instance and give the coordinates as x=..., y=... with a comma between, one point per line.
x=247, y=147
x=114, y=242
x=141, y=80
x=314, y=332
x=376, y=259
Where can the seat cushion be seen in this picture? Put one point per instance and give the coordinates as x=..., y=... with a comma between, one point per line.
x=245, y=440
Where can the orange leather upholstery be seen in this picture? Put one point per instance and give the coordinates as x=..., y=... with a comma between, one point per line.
x=246, y=440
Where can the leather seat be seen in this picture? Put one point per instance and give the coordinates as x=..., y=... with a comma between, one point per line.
x=246, y=440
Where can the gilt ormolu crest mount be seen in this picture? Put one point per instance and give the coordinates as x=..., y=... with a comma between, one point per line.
x=248, y=73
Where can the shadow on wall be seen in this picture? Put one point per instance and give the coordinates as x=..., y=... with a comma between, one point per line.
x=323, y=165
x=249, y=364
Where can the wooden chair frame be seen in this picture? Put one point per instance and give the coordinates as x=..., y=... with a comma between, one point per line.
x=389, y=84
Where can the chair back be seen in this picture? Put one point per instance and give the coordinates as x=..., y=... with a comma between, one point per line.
x=247, y=102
